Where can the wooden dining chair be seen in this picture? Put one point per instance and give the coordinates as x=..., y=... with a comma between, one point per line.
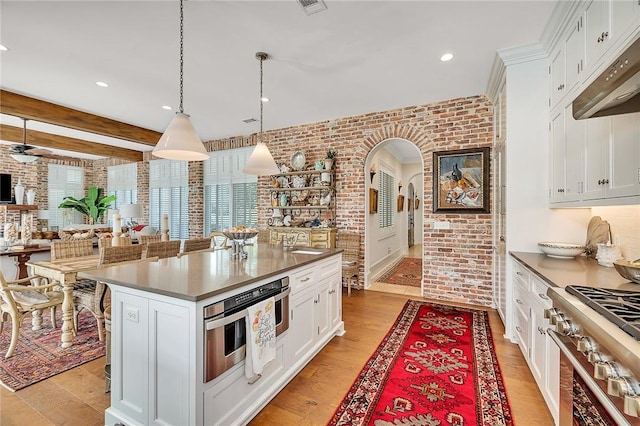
x=18, y=299
x=116, y=254
x=350, y=244
x=71, y=248
x=144, y=239
x=161, y=249
x=219, y=240
x=196, y=244
x=108, y=242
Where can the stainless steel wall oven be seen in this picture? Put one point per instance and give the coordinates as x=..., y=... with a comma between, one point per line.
x=225, y=328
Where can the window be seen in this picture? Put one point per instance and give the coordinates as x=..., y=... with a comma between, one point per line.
x=386, y=200
x=64, y=181
x=122, y=181
x=168, y=194
x=230, y=196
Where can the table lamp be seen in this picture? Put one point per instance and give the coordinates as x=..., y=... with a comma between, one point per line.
x=131, y=212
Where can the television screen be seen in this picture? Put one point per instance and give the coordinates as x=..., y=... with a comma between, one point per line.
x=5, y=188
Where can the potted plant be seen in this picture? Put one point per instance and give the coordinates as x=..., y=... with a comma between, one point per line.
x=94, y=205
x=328, y=161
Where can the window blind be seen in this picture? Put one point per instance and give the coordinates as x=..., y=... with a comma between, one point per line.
x=231, y=197
x=122, y=181
x=64, y=181
x=386, y=200
x=168, y=194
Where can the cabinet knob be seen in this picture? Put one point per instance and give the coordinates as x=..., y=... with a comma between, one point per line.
x=632, y=405
x=541, y=330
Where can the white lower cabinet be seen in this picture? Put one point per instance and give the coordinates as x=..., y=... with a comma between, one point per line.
x=542, y=355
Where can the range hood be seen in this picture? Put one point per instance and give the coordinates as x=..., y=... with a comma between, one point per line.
x=615, y=91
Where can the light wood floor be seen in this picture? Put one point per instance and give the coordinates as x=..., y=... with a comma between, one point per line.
x=76, y=397
x=414, y=252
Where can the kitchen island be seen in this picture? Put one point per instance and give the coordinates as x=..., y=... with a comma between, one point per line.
x=158, y=332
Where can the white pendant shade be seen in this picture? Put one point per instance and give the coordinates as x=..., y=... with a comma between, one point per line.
x=261, y=162
x=24, y=158
x=180, y=141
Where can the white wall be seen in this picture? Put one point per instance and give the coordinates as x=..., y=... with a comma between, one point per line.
x=529, y=218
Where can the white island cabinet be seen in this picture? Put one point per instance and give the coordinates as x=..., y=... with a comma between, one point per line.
x=157, y=326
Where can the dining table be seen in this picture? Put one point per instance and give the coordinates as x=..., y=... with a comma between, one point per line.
x=22, y=256
x=65, y=271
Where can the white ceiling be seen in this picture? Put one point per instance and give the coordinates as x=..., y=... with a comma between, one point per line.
x=353, y=58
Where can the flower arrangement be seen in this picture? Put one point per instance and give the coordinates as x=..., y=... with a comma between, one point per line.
x=331, y=153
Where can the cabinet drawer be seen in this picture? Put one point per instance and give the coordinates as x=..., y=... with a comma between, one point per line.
x=301, y=279
x=521, y=274
x=329, y=268
x=521, y=299
x=521, y=327
x=319, y=236
x=539, y=290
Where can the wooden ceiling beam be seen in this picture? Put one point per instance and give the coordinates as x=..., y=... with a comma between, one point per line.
x=46, y=112
x=48, y=140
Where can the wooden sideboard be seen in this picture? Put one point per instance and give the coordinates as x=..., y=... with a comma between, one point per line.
x=306, y=237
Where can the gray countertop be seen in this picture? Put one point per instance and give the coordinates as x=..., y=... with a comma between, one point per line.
x=578, y=271
x=202, y=275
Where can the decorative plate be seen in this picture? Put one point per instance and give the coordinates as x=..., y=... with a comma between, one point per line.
x=298, y=160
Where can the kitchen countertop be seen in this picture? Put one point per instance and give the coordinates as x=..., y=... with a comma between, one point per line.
x=201, y=275
x=578, y=271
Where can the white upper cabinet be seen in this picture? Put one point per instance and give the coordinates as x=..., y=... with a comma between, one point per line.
x=597, y=144
x=624, y=156
x=558, y=77
x=623, y=14
x=574, y=54
x=597, y=31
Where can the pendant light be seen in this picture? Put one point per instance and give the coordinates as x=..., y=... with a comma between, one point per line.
x=261, y=162
x=180, y=140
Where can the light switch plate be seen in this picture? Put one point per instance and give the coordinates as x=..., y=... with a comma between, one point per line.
x=441, y=224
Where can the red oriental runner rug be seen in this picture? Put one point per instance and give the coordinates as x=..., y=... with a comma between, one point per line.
x=408, y=271
x=38, y=354
x=437, y=366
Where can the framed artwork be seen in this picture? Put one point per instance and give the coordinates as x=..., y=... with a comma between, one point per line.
x=400, y=202
x=373, y=201
x=461, y=181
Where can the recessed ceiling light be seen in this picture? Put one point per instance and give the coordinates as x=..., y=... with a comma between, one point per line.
x=446, y=57
x=3, y=47
x=167, y=107
x=264, y=99
x=102, y=84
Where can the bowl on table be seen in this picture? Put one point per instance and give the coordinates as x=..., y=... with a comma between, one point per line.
x=561, y=250
x=629, y=270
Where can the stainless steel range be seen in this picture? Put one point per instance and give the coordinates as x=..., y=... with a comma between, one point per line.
x=598, y=333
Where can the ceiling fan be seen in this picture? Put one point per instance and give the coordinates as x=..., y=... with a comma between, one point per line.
x=26, y=153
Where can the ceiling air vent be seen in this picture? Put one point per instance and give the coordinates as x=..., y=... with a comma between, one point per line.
x=249, y=120
x=312, y=6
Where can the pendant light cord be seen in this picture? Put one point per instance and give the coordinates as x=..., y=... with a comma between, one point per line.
x=181, y=52
x=261, y=102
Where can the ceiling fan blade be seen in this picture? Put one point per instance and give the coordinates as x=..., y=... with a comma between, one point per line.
x=37, y=151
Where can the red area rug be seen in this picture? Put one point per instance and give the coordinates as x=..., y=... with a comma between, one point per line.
x=38, y=354
x=436, y=366
x=408, y=271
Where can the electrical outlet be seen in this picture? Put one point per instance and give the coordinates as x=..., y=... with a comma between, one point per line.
x=441, y=224
x=131, y=314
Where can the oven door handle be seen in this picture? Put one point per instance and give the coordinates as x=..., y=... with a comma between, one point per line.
x=215, y=323
x=602, y=397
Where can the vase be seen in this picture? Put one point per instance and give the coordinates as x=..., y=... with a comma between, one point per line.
x=31, y=197
x=19, y=192
x=328, y=163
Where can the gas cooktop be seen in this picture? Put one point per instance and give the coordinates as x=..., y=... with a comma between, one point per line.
x=622, y=307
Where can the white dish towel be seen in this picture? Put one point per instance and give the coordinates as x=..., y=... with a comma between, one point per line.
x=261, y=337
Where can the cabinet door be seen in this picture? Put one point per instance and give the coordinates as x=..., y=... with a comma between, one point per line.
x=552, y=377
x=623, y=14
x=597, y=144
x=302, y=326
x=574, y=52
x=558, y=80
x=335, y=301
x=322, y=307
x=624, y=156
x=597, y=30
x=557, y=158
x=574, y=155
x=537, y=362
